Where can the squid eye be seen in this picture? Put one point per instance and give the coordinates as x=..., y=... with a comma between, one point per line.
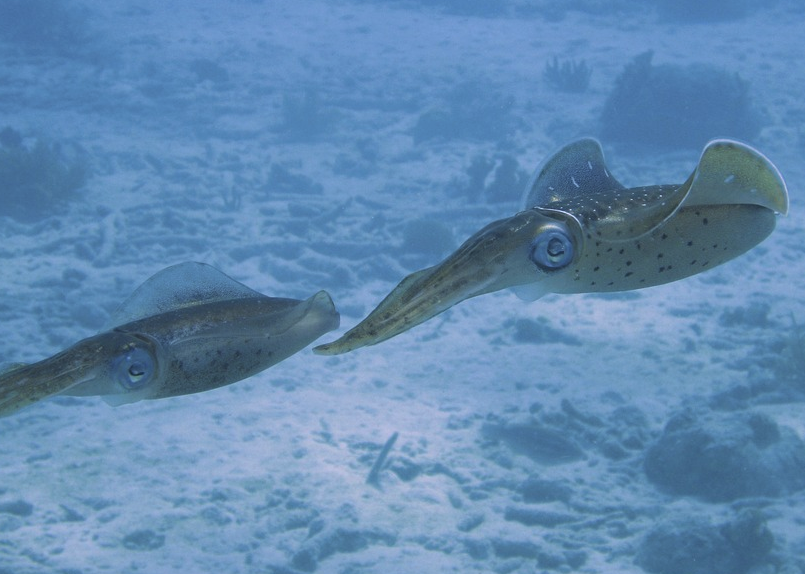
x=552, y=249
x=134, y=369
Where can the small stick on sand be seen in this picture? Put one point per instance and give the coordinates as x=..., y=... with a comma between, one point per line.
x=374, y=475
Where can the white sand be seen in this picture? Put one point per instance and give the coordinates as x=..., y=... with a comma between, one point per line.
x=242, y=478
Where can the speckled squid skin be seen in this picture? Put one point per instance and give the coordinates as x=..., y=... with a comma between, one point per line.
x=693, y=240
x=622, y=239
x=215, y=344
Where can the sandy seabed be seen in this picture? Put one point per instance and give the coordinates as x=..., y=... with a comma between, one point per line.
x=283, y=143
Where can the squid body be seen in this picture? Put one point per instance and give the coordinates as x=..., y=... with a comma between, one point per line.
x=187, y=329
x=581, y=231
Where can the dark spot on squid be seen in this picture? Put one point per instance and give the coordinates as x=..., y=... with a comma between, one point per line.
x=620, y=252
x=659, y=255
x=629, y=274
x=596, y=268
x=704, y=221
x=628, y=263
x=661, y=269
x=664, y=236
x=690, y=243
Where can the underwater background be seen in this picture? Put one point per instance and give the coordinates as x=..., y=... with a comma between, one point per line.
x=299, y=145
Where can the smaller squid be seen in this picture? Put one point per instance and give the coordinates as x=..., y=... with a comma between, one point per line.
x=187, y=329
x=581, y=231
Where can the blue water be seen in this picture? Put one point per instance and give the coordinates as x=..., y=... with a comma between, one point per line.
x=306, y=145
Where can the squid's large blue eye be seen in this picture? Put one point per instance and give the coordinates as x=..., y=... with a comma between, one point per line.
x=134, y=368
x=552, y=249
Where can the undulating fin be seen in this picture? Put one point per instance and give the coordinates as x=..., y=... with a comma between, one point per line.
x=732, y=173
x=182, y=285
x=577, y=169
